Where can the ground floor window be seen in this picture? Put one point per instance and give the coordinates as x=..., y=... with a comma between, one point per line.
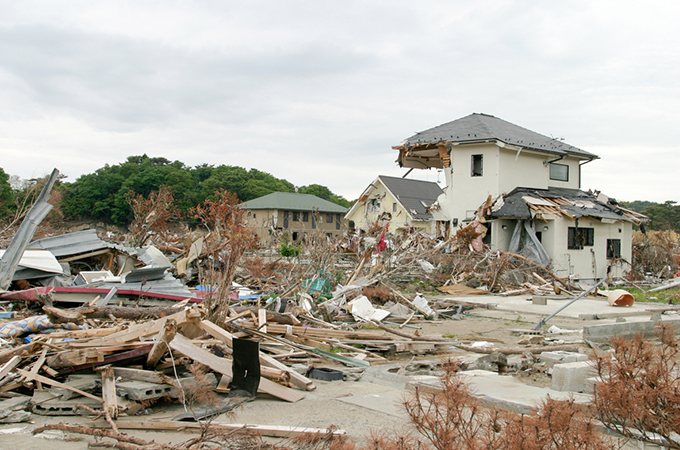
x=613, y=248
x=578, y=238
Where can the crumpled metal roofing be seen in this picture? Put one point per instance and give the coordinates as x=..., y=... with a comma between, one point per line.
x=87, y=241
x=526, y=203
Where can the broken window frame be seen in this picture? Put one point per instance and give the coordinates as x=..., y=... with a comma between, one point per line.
x=556, y=174
x=296, y=216
x=578, y=237
x=613, y=248
x=477, y=166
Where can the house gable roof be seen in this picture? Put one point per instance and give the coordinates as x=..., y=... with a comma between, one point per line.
x=414, y=195
x=482, y=127
x=294, y=202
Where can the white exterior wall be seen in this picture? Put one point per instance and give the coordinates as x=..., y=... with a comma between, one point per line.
x=586, y=263
x=503, y=171
x=465, y=193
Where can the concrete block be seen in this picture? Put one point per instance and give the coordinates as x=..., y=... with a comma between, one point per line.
x=564, y=357
x=572, y=377
x=539, y=300
x=140, y=390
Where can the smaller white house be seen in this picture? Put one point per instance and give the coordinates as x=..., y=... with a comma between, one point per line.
x=578, y=232
x=400, y=202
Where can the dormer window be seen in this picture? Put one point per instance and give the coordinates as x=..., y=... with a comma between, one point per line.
x=476, y=165
x=559, y=172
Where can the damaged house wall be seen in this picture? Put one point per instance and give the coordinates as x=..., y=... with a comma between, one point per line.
x=400, y=203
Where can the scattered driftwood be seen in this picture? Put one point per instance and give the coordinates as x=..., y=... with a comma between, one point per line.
x=520, y=350
x=78, y=315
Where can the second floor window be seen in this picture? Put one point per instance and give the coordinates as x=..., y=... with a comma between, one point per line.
x=477, y=165
x=559, y=172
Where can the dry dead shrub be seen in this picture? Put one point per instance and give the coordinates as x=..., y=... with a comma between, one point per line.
x=151, y=215
x=451, y=417
x=378, y=295
x=227, y=240
x=656, y=253
x=639, y=392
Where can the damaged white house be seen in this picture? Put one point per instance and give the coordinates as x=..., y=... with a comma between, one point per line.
x=529, y=186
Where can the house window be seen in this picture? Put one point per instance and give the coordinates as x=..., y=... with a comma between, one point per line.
x=394, y=207
x=296, y=216
x=580, y=237
x=477, y=165
x=254, y=216
x=613, y=248
x=559, y=172
x=373, y=205
x=305, y=216
x=329, y=218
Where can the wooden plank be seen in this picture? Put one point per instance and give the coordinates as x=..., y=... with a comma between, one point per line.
x=222, y=365
x=138, y=352
x=109, y=392
x=40, y=361
x=264, y=430
x=50, y=382
x=134, y=332
x=296, y=379
x=9, y=365
x=262, y=320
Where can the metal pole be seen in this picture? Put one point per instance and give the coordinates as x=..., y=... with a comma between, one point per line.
x=583, y=294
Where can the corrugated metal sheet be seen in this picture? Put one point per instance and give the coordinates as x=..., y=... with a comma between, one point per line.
x=70, y=244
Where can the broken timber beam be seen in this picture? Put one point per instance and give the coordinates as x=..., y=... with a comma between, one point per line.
x=160, y=345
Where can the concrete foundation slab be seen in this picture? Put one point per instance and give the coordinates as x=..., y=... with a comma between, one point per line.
x=603, y=333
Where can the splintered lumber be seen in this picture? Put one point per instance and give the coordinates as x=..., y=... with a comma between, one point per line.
x=9, y=365
x=296, y=379
x=222, y=365
x=78, y=315
x=411, y=336
x=162, y=340
x=520, y=350
x=134, y=332
x=50, y=382
x=282, y=318
x=320, y=332
x=264, y=430
x=109, y=393
x=20, y=350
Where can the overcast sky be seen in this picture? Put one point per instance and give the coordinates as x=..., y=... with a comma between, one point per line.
x=319, y=91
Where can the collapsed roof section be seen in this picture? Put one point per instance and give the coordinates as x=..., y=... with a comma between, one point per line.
x=431, y=148
x=527, y=203
x=153, y=280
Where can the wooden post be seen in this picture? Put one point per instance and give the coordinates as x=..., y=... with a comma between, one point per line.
x=163, y=338
x=109, y=393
